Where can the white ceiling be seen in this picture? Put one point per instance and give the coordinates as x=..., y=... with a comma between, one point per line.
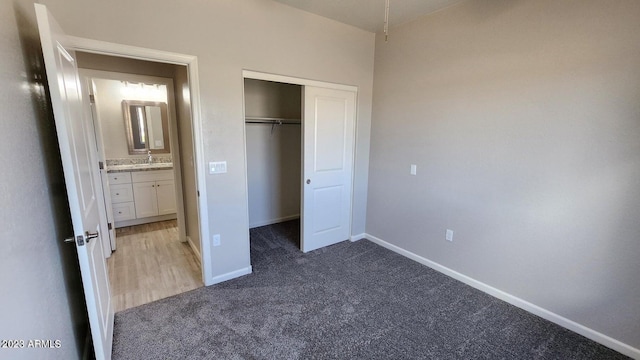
x=369, y=14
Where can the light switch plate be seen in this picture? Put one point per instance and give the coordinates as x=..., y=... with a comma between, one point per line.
x=217, y=167
x=449, y=235
x=414, y=169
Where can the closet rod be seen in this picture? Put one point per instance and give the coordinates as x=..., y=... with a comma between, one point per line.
x=267, y=120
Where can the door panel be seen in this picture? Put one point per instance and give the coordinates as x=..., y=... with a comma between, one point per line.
x=327, y=199
x=106, y=212
x=77, y=149
x=144, y=195
x=166, y=193
x=329, y=129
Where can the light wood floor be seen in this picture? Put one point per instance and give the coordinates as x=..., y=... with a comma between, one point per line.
x=150, y=263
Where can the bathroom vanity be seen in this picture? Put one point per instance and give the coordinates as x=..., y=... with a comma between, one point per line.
x=142, y=193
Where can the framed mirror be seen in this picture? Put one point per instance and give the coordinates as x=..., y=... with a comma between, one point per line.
x=147, y=126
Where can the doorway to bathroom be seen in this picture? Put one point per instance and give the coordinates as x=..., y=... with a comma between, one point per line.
x=143, y=126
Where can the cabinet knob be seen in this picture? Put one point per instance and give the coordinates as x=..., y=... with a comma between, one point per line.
x=117, y=193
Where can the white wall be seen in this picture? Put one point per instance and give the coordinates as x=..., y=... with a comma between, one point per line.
x=189, y=188
x=109, y=97
x=228, y=36
x=272, y=99
x=523, y=120
x=41, y=294
x=273, y=157
x=273, y=172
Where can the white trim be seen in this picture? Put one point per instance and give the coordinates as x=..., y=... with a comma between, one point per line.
x=140, y=53
x=274, y=221
x=147, y=220
x=358, y=237
x=250, y=74
x=195, y=250
x=516, y=301
x=232, y=275
x=128, y=51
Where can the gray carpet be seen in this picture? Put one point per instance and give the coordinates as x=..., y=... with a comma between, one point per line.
x=348, y=301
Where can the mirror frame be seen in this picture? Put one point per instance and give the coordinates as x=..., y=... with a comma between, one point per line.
x=127, y=124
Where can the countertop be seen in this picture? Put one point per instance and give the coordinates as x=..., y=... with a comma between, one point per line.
x=139, y=167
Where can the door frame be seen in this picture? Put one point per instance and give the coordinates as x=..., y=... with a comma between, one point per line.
x=89, y=75
x=191, y=62
x=258, y=75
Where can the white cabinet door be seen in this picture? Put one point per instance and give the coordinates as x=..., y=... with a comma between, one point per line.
x=329, y=127
x=76, y=140
x=144, y=195
x=166, y=193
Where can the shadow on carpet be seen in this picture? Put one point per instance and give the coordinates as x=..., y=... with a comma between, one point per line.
x=347, y=301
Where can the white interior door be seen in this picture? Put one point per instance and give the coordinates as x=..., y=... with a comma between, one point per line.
x=329, y=122
x=106, y=210
x=77, y=148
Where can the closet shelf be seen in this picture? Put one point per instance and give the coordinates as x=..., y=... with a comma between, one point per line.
x=271, y=120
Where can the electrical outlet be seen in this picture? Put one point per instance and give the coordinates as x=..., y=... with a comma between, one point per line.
x=449, y=235
x=216, y=239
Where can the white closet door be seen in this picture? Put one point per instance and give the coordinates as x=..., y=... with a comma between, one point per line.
x=329, y=128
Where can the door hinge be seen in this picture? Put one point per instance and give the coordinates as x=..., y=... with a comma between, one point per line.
x=109, y=226
x=198, y=192
x=92, y=99
x=80, y=240
x=101, y=165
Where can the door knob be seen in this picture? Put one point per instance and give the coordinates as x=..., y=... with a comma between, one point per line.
x=89, y=235
x=72, y=240
x=308, y=181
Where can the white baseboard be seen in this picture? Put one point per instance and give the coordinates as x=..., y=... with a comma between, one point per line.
x=358, y=237
x=195, y=250
x=516, y=301
x=232, y=275
x=273, y=221
x=119, y=224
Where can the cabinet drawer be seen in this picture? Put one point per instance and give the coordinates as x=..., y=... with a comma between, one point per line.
x=119, y=178
x=124, y=211
x=121, y=193
x=143, y=176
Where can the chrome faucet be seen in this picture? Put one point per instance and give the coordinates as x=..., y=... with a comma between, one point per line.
x=150, y=158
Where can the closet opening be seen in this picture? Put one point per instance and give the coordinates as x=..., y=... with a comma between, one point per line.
x=273, y=138
x=300, y=148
